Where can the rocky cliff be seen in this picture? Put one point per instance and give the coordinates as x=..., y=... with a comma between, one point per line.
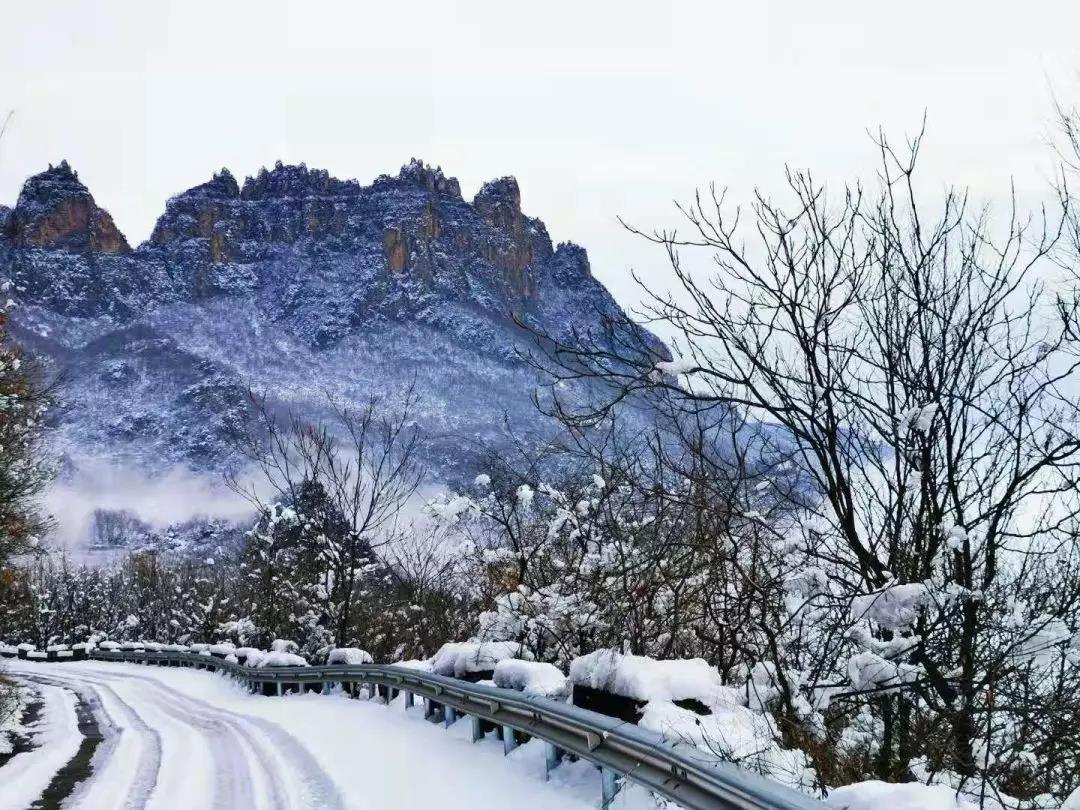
x=299, y=283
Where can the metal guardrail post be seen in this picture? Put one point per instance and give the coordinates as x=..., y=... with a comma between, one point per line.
x=409, y=700
x=610, y=786
x=509, y=743
x=449, y=716
x=552, y=758
x=477, y=728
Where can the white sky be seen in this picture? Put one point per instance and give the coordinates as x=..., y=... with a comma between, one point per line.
x=599, y=108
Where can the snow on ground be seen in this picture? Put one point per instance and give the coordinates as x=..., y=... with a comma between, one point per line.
x=179, y=738
x=25, y=776
x=875, y=795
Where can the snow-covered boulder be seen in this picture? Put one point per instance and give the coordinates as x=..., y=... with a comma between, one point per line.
x=532, y=678
x=647, y=679
x=280, y=659
x=462, y=659
x=251, y=655
x=350, y=656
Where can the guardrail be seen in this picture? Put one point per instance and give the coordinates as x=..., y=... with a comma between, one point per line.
x=673, y=769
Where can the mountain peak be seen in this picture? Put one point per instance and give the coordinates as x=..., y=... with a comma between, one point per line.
x=55, y=210
x=296, y=181
x=222, y=186
x=418, y=173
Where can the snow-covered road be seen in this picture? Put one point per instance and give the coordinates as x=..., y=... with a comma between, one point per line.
x=176, y=738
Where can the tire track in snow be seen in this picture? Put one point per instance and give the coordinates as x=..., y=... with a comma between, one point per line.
x=138, y=751
x=26, y=777
x=251, y=762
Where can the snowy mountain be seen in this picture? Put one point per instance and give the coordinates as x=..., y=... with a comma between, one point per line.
x=299, y=284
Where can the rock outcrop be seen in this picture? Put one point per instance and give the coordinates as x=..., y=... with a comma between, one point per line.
x=56, y=212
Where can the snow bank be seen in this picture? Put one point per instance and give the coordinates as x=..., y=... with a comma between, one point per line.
x=874, y=795
x=733, y=733
x=199, y=648
x=349, y=655
x=421, y=664
x=647, y=679
x=25, y=646
x=56, y=647
x=131, y=646
x=152, y=646
x=223, y=648
x=532, y=678
x=457, y=659
x=108, y=645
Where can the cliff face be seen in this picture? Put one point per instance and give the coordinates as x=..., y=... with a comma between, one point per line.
x=298, y=282
x=57, y=212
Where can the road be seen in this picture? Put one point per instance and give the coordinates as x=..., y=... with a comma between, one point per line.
x=175, y=738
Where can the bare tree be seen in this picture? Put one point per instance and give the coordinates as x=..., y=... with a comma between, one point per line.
x=346, y=479
x=908, y=360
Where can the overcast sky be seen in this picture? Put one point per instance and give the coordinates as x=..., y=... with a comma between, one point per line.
x=599, y=109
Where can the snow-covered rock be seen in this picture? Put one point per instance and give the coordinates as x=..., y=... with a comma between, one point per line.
x=458, y=659
x=645, y=679
x=251, y=655
x=532, y=678
x=349, y=655
x=279, y=659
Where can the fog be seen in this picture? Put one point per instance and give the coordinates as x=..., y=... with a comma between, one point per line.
x=174, y=496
